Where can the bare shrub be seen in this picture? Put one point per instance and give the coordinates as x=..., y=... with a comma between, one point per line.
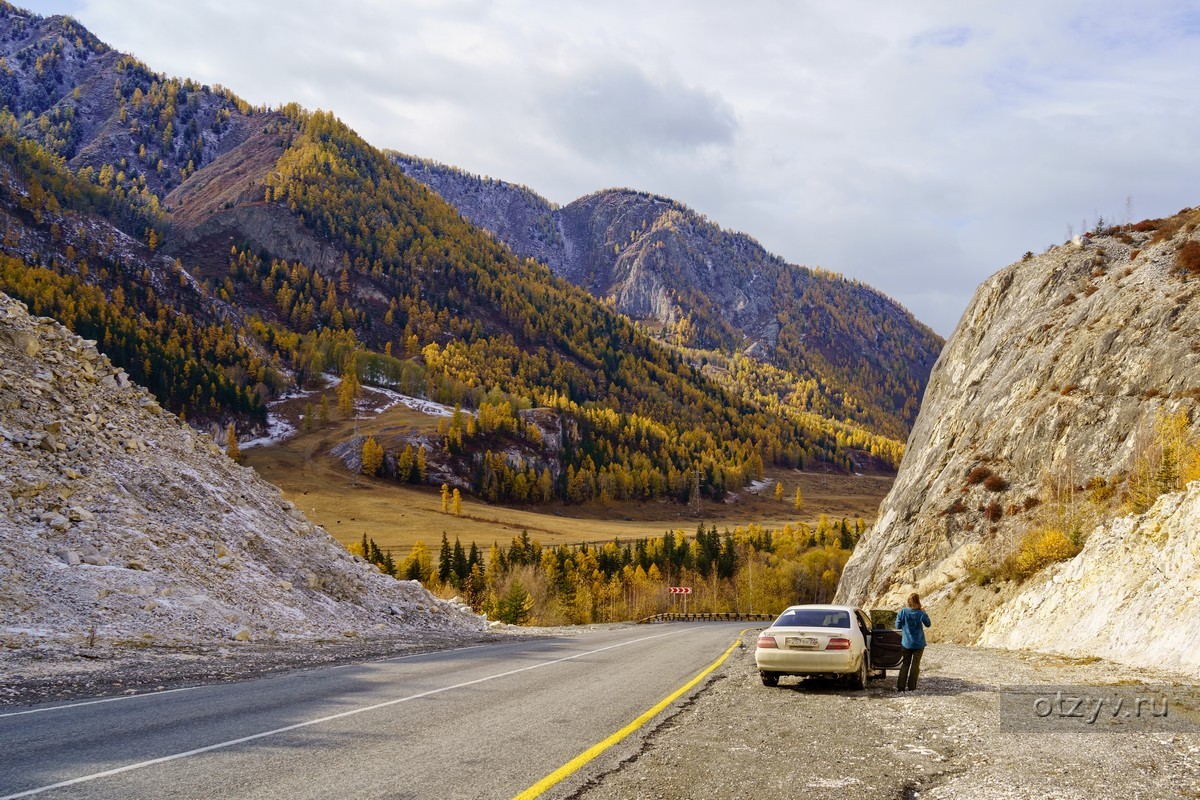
x=994, y=483
x=1187, y=260
x=978, y=474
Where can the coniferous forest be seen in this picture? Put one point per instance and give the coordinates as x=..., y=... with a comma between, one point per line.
x=749, y=570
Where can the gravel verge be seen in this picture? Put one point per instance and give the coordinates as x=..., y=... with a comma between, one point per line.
x=815, y=739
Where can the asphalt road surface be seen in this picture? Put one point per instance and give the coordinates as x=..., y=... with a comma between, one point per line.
x=488, y=721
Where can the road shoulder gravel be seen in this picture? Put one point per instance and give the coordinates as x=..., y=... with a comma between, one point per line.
x=816, y=739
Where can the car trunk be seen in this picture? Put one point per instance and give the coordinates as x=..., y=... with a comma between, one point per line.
x=806, y=638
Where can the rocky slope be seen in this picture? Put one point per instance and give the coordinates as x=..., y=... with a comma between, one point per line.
x=119, y=525
x=696, y=284
x=1131, y=595
x=67, y=89
x=1052, y=381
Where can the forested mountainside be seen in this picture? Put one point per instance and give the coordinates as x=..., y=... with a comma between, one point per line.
x=853, y=351
x=221, y=253
x=1065, y=403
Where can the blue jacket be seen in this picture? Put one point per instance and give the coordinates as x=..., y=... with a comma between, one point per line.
x=909, y=622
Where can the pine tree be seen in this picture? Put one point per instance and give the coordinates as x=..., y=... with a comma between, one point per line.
x=475, y=587
x=418, y=566
x=461, y=568
x=516, y=605
x=348, y=393
x=404, y=465
x=231, y=444
x=422, y=471
x=456, y=503
x=445, y=499
x=779, y=491
x=372, y=457
x=844, y=539
x=445, y=561
x=323, y=411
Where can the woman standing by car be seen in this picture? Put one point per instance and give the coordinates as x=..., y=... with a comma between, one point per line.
x=912, y=621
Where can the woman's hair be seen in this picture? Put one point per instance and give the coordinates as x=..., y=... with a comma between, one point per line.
x=914, y=601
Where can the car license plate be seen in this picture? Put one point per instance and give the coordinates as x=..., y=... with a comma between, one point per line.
x=809, y=642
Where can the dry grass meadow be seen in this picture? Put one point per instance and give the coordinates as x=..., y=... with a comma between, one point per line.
x=396, y=516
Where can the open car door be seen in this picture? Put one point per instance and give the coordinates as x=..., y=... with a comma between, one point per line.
x=886, y=650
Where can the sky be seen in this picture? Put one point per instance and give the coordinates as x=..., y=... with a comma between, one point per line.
x=916, y=146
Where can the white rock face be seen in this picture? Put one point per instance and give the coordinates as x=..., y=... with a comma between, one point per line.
x=1132, y=595
x=118, y=521
x=1060, y=363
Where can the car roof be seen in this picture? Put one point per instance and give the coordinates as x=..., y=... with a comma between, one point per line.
x=827, y=607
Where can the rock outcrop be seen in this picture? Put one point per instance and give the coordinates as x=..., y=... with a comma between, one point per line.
x=1054, y=377
x=1132, y=594
x=119, y=524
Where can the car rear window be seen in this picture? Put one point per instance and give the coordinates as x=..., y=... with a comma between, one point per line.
x=813, y=618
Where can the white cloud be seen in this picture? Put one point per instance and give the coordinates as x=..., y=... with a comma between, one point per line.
x=917, y=146
x=616, y=111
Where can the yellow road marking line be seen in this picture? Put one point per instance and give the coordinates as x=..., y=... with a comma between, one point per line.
x=573, y=766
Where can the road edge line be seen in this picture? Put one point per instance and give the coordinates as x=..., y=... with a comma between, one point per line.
x=575, y=764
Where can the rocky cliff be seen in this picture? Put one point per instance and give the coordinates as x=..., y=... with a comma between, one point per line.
x=121, y=525
x=1049, y=388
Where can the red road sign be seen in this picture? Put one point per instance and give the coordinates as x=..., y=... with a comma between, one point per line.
x=680, y=590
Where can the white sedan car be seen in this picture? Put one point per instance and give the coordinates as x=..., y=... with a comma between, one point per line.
x=825, y=640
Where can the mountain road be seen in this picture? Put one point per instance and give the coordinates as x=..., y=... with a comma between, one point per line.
x=482, y=721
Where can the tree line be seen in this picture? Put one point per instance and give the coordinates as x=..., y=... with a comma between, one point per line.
x=748, y=569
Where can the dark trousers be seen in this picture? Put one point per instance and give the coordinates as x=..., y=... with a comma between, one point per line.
x=910, y=669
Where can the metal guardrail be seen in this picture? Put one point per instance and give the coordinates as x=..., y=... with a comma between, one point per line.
x=710, y=616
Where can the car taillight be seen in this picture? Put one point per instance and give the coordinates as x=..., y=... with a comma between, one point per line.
x=768, y=641
x=838, y=643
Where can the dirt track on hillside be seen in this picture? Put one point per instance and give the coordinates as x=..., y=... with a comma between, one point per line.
x=814, y=739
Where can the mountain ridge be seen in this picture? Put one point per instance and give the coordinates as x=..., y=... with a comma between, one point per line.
x=698, y=285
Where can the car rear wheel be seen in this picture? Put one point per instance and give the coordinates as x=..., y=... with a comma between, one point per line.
x=859, y=681
x=770, y=678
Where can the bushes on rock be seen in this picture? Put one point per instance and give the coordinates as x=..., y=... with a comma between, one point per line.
x=994, y=483
x=1039, y=549
x=1187, y=260
x=978, y=475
